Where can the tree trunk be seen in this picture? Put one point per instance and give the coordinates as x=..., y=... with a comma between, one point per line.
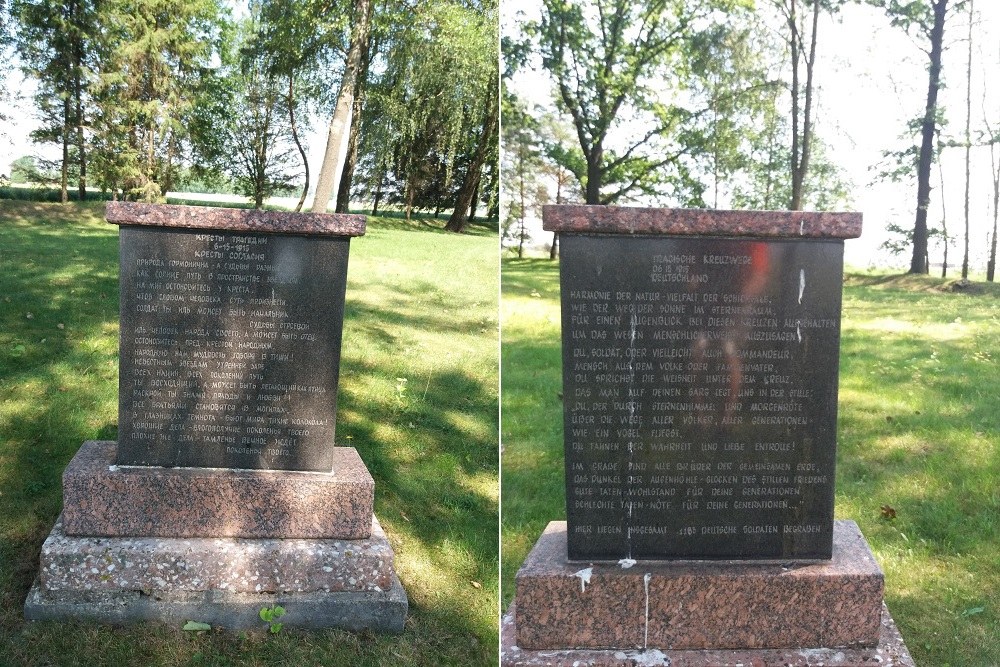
x=463, y=200
x=801, y=144
x=522, y=199
x=918, y=262
x=168, y=170
x=991, y=264
x=944, y=215
x=475, y=199
x=342, y=112
x=377, y=198
x=554, y=248
x=295, y=138
x=351, y=159
x=592, y=196
x=78, y=96
x=64, y=181
x=968, y=145
x=411, y=194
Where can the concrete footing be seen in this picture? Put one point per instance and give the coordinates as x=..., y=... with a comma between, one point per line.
x=379, y=611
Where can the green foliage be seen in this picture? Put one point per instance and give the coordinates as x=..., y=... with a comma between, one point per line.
x=270, y=615
x=522, y=165
x=901, y=240
x=56, y=46
x=252, y=123
x=26, y=169
x=155, y=68
x=604, y=58
x=424, y=113
x=914, y=16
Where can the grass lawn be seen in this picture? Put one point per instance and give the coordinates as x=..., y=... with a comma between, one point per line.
x=418, y=397
x=919, y=431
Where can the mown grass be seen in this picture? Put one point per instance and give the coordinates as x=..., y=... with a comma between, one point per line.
x=919, y=431
x=418, y=397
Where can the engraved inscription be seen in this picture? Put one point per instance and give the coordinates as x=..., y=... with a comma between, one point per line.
x=700, y=396
x=230, y=345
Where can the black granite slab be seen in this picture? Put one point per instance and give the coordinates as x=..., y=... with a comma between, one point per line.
x=700, y=396
x=230, y=348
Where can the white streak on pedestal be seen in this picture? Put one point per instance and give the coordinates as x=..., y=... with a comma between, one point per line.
x=584, y=576
x=645, y=585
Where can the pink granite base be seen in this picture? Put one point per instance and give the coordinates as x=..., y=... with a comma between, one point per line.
x=890, y=651
x=699, y=605
x=154, y=564
x=637, y=220
x=101, y=499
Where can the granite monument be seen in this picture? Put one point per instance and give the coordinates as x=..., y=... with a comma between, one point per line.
x=225, y=492
x=700, y=373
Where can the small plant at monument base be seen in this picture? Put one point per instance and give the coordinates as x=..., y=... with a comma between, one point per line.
x=270, y=615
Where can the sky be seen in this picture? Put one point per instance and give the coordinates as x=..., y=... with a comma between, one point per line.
x=871, y=79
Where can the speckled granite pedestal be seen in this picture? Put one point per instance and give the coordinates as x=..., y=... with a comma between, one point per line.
x=215, y=546
x=889, y=652
x=101, y=498
x=701, y=613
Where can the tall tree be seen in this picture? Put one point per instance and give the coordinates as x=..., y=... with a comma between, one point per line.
x=354, y=134
x=801, y=37
x=258, y=133
x=926, y=19
x=991, y=263
x=431, y=115
x=562, y=164
x=604, y=57
x=731, y=67
x=157, y=60
x=55, y=44
x=968, y=142
x=944, y=211
x=522, y=166
x=342, y=112
x=993, y=140
x=303, y=42
x=485, y=147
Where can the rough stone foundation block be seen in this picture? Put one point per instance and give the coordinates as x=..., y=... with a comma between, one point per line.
x=102, y=499
x=699, y=605
x=156, y=564
x=889, y=652
x=379, y=611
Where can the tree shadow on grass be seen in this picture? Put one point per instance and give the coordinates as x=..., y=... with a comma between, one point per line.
x=58, y=343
